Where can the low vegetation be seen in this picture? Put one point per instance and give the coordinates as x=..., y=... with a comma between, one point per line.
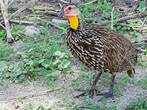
x=46, y=56
x=138, y=104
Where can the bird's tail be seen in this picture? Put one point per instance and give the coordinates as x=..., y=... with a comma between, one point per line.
x=140, y=47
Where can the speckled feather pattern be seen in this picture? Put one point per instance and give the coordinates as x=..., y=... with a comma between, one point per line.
x=102, y=49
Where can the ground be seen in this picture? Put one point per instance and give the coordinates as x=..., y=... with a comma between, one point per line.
x=37, y=94
x=38, y=72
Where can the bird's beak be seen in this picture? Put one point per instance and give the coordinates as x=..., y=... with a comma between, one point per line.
x=65, y=17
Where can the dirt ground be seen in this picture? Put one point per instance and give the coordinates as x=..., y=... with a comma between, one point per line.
x=37, y=93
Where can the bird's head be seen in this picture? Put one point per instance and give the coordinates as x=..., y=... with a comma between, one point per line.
x=71, y=10
x=72, y=13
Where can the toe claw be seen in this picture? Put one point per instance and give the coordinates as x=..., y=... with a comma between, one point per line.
x=80, y=95
x=107, y=94
x=92, y=92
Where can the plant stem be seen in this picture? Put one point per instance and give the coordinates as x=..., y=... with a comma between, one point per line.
x=112, y=18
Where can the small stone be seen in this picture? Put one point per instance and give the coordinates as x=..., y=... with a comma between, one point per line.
x=17, y=45
x=31, y=30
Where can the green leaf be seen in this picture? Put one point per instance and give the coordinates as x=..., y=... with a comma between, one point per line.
x=3, y=65
x=145, y=51
x=53, y=74
x=45, y=65
x=2, y=34
x=64, y=64
x=59, y=54
x=142, y=6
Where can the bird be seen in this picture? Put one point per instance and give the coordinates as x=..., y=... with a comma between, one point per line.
x=99, y=48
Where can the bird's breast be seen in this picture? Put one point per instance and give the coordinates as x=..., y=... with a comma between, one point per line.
x=85, y=50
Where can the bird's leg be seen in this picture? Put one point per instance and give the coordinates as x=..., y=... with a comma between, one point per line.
x=110, y=93
x=112, y=86
x=93, y=87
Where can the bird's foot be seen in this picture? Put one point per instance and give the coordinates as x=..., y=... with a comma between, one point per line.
x=106, y=94
x=80, y=95
x=92, y=92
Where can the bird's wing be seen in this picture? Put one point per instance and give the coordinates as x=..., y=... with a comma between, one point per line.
x=108, y=46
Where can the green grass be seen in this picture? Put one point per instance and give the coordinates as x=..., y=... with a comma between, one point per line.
x=142, y=60
x=142, y=83
x=41, y=55
x=90, y=104
x=120, y=85
x=46, y=56
x=95, y=13
x=139, y=104
x=4, y=51
x=18, y=32
x=101, y=11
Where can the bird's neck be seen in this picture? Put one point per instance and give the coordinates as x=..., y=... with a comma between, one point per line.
x=74, y=22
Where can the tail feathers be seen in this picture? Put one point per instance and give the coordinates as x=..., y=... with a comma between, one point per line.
x=139, y=49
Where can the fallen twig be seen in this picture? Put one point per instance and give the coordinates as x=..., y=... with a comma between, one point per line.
x=77, y=2
x=40, y=94
x=34, y=95
x=21, y=22
x=93, y=1
x=59, y=27
x=4, y=11
x=50, y=10
x=29, y=4
x=10, y=2
x=64, y=1
x=31, y=23
x=138, y=15
x=2, y=26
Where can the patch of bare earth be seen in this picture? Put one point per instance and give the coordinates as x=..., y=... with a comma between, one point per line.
x=132, y=92
x=18, y=96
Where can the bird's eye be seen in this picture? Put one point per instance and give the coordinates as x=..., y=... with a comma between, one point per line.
x=69, y=8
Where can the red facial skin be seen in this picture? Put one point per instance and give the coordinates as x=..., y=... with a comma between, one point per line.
x=66, y=11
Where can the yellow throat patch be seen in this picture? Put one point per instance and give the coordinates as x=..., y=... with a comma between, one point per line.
x=74, y=22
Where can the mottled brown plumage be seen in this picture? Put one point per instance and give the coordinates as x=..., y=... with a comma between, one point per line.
x=102, y=49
